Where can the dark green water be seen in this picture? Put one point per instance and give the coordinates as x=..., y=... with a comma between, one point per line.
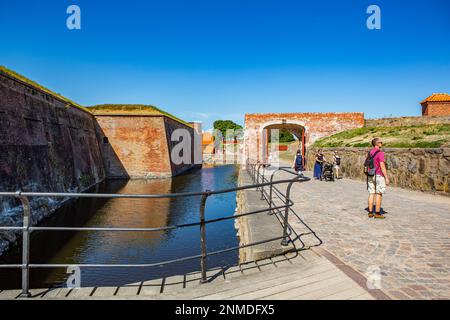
x=133, y=247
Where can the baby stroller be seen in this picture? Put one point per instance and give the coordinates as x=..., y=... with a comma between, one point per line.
x=327, y=172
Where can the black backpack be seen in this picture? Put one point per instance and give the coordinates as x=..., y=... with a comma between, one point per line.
x=338, y=161
x=369, y=164
x=298, y=160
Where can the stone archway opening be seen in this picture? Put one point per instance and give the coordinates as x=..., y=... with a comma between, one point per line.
x=313, y=126
x=285, y=150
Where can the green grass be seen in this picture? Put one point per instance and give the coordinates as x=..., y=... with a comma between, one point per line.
x=361, y=145
x=414, y=136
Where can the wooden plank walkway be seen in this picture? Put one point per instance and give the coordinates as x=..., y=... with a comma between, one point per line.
x=303, y=275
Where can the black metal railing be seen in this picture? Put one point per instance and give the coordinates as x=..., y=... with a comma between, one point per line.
x=258, y=171
x=279, y=203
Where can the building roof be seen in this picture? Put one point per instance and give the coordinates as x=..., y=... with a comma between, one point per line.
x=132, y=109
x=437, y=97
x=207, y=138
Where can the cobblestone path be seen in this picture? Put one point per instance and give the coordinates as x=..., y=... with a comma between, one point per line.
x=407, y=254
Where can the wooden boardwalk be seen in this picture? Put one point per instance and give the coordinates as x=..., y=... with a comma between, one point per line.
x=303, y=275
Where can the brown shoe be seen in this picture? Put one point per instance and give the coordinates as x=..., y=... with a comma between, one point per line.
x=370, y=215
x=379, y=216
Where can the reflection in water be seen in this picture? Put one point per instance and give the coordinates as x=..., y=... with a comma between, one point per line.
x=134, y=247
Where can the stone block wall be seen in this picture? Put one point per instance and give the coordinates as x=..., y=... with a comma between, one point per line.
x=407, y=121
x=415, y=169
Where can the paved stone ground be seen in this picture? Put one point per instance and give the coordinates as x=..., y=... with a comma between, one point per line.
x=410, y=248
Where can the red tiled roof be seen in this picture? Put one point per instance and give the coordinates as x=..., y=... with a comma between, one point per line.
x=437, y=97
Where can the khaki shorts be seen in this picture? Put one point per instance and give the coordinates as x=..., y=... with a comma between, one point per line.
x=376, y=184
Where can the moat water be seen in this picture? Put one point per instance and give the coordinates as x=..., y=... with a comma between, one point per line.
x=95, y=247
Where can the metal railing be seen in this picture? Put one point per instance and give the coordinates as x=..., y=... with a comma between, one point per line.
x=259, y=183
x=258, y=173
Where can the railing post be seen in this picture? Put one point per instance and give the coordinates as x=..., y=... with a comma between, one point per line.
x=262, y=181
x=253, y=172
x=25, y=245
x=271, y=191
x=203, y=235
x=257, y=175
x=285, y=240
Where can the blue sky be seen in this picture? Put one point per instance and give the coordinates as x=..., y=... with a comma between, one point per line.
x=220, y=59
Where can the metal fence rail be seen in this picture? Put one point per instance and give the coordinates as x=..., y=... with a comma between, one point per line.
x=259, y=183
x=258, y=173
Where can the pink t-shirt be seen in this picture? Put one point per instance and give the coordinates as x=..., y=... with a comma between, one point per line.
x=378, y=158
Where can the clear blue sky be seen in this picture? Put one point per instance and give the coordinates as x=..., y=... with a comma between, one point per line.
x=219, y=59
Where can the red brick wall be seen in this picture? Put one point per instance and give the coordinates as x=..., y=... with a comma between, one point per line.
x=136, y=146
x=139, y=146
x=437, y=109
x=316, y=125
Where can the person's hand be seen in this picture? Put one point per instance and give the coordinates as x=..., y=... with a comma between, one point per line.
x=387, y=181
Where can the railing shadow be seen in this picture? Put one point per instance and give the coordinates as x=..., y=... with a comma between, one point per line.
x=257, y=172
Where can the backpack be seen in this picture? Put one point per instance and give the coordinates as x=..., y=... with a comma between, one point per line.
x=369, y=164
x=298, y=160
x=337, y=161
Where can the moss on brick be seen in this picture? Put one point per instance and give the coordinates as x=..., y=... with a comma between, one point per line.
x=36, y=85
x=134, y=109
x=97, y=109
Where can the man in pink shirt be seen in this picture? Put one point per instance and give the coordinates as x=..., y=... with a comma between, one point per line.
x=376, y=185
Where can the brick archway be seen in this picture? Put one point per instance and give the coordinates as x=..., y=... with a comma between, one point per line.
x=297, y=128
x=314, y=126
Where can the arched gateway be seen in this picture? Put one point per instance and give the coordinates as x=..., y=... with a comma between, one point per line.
x=307, y=127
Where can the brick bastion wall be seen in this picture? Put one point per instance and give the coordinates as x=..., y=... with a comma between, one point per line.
x=46, y=144
x=139, y=146
x=415, y=169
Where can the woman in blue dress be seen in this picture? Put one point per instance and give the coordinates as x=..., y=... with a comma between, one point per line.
x=318, y=165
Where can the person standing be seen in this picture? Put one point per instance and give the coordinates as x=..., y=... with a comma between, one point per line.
x=298, y=162
x=337, y=163
x=318, y=165
x=377, y=178
x=270, y=159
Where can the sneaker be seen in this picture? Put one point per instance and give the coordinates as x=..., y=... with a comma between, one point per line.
x=370, y=215
x=379, y=216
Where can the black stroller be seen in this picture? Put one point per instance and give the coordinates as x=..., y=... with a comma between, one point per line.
x=327, y=172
